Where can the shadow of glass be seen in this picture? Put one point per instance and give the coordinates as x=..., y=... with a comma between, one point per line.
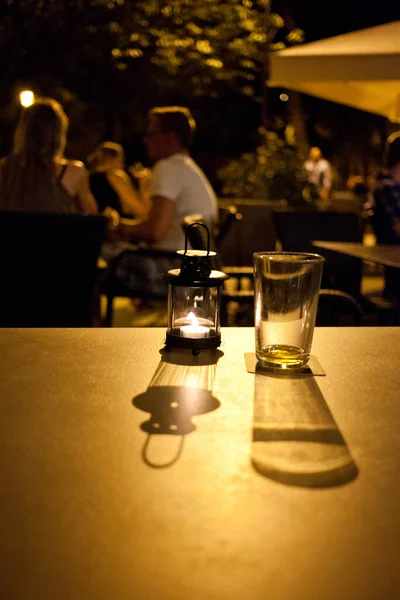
x=180, y=389
x=296, y=440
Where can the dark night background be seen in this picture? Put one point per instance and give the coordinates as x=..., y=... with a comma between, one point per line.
x=107, y=103
x=322, y=19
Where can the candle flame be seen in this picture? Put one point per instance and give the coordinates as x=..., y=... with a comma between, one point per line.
x=192, y=318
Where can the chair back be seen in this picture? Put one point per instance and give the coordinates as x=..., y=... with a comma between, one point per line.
x=338, y=309
x=227, y=215
x=296, y=230
x=196, y=236
x=48, y=268
x=138, y=273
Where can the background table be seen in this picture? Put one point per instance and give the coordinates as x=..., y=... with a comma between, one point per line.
x=380, y=254
x=84, y=517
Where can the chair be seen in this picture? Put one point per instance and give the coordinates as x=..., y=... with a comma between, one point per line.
x=254, y=232
x=48, y=268
x=137, y=273
x=196, y=235
x=296, y=230
x=335, y=309
x=338, y=309
x=226, y=218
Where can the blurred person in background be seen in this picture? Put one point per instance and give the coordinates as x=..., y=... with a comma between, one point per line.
x=386, y=197
x=36, y=177
x=359, y=186
x=386, y=209
x=111, y=185
x=177, y=188
x=318, y=174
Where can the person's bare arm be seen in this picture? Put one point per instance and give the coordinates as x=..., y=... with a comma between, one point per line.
x=155, y=228
x=122, y=185
x=84, y=198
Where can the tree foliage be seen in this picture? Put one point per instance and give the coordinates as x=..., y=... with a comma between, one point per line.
x=207, y=46
x=55, y=38
x=120, y=56
x=274, y=171
x=211, y=45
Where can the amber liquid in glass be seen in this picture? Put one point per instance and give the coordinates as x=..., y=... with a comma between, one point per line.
x=283, y=356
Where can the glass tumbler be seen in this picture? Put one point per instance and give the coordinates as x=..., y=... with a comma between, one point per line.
x=286, y=289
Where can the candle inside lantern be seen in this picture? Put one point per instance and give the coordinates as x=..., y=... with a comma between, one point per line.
x=194, y=330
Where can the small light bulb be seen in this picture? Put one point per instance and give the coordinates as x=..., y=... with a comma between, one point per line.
x=26, y=98
x=284, y=97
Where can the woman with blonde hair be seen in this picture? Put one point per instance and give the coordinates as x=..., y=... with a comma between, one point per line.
x=36, y=177
x=111, y=185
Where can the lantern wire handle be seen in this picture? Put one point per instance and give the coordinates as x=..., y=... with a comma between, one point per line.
x=155, y=465
x=208, y=235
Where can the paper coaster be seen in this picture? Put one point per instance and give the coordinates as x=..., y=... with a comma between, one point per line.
x=312, y=368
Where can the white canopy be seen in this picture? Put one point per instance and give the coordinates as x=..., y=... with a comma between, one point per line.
x=360, y=69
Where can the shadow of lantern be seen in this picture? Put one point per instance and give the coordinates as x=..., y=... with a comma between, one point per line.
x=179, y=390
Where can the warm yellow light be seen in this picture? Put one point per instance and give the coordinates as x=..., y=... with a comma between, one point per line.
x=26, y=98
x=284, y=97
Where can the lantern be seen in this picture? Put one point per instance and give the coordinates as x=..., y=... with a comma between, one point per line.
x=194, y=300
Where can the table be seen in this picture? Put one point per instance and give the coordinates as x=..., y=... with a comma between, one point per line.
x=84, y=517
x=380, y=254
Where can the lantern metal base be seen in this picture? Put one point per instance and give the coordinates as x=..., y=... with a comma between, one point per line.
x=193, y=344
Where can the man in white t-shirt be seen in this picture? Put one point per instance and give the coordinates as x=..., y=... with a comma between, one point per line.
x=178, y=187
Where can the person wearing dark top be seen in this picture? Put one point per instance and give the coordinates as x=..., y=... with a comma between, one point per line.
x=111, y=185
x=103, y=191
x=36, y=177
x=386, y=210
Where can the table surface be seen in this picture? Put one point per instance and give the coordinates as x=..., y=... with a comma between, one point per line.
x=381, y=254
x=85, y=513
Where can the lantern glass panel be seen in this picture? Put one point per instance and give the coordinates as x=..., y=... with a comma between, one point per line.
x=193, y=312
